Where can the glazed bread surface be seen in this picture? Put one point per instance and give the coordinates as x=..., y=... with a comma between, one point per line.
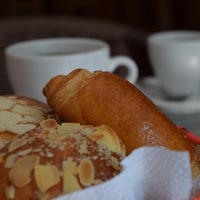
x=104, y=98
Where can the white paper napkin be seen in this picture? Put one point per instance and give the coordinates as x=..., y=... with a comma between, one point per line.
x=149, y=173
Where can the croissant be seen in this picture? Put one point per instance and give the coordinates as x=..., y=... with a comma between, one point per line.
x=104, y=98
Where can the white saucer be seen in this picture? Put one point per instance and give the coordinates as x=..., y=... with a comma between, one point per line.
x=150, y=87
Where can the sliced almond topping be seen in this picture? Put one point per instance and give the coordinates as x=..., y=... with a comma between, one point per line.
x=86, y=172
x=27, y=110
x=10, y=192
x=46, y=176
x=24, y=152
x=71, y=126
x=10, y=160
x=106, y=136
x=115, y=163
x=56, y=137
x=20, y=173
x=71, y=166
x=16, y=124
x=6, y=102
x=7, y=124
x=37, y=150
x=16, y=143
x=70, y=182
x=49, y=124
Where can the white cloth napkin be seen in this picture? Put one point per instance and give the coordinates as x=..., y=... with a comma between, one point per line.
x=149, y=173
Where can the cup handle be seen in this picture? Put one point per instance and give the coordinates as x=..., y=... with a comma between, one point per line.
x=127, y=62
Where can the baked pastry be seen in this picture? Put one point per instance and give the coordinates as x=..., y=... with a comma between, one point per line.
x=20, y=114
x=104, y=98
x=55, y=159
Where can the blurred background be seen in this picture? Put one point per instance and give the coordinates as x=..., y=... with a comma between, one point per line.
x=124, y=24
x=151, y=15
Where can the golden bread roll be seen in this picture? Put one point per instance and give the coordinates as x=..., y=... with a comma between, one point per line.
x=55, y=159
x=104, y=98
x=20, y=114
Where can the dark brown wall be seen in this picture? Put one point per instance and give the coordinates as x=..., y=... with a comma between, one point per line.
x=149, y=15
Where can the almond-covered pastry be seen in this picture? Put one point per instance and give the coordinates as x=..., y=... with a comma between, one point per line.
x=20, y=114
x=55, y=159
x=104, y=98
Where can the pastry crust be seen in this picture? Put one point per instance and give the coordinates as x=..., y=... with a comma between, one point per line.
x=55, y=159
x=104, y=98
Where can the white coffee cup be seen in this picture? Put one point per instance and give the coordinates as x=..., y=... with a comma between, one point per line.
x=31, y=64
x=175, y=59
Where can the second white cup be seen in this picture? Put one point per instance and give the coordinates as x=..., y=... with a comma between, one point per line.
x=30, y=64
x=175, y=59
